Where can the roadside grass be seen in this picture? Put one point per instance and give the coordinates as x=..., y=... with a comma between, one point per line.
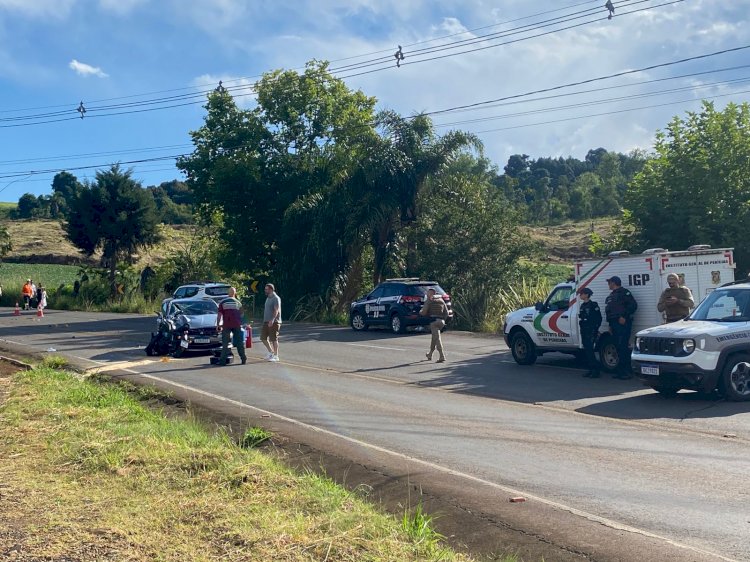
x=90, y=472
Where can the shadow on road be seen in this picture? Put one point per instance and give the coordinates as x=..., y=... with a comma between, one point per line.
x=686, y=405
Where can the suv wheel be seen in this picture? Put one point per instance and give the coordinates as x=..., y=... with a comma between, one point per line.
x=358, y=322
x=397, y=324
x=522, y=348
x=735, y=380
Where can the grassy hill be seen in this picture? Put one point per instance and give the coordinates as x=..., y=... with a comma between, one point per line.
x=568, y=242
x=43, y=241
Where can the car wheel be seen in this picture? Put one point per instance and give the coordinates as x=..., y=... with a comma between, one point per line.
x=608, y=356
x=397, y=324
x=522, y=348
x=179, y=352
x=666, y=391
x=735, y=379
x=358, y=322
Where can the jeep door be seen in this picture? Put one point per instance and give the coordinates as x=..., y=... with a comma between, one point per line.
x=556, y=323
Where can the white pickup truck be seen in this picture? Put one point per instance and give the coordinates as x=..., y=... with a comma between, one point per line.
x=553, y=325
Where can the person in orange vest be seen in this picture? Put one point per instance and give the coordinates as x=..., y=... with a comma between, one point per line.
x=27, y=293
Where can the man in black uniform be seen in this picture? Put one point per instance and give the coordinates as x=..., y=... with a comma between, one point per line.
x=619, y=308
x=589, y=319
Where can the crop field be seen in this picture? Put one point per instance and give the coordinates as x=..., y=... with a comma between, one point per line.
x=14, y=275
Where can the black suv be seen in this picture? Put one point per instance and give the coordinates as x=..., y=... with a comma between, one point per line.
x=395, y=303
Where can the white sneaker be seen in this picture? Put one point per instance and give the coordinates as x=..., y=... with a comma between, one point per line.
x=274, y=358
x=269, y=356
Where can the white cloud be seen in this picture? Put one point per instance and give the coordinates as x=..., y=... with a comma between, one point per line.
x=83, y=69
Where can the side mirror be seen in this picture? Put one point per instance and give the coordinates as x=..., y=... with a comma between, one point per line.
x=539, y=306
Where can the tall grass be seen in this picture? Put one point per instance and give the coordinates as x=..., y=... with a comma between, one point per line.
x=484, y=310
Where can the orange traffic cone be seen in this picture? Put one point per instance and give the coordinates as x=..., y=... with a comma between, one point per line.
x=17, y=311
x=39, y=312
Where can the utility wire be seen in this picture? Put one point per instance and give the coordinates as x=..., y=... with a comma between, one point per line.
x=198, y=97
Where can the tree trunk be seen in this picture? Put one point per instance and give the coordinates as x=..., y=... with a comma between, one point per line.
x=112, y=262
x=382, y=239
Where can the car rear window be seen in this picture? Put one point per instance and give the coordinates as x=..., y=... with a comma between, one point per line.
x=421, y=290
x=217, y=291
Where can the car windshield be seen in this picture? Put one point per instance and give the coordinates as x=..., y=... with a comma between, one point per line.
x=724, y=305
x=196, y=308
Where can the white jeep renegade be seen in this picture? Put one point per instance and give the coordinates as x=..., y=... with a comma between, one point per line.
x=710, y=349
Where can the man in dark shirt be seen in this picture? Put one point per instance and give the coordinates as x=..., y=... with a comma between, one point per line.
x=619, y=308
x=230, y=315
x=589, y=320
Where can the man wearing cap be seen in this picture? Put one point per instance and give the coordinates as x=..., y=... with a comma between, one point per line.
x=619, y=309
x=589, y=320
x=676, y=301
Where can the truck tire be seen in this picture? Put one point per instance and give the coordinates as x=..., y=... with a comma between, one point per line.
x=735, y=378
x=397, y=324
x=359, y=322
x=608, y=355
x=522, y=348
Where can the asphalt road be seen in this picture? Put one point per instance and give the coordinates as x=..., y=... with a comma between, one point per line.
x=603, y=452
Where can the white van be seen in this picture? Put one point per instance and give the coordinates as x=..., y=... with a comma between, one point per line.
x=553, y=324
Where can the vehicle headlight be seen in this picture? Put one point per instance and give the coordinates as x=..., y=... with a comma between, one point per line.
x=638, y=344
x=688, y=346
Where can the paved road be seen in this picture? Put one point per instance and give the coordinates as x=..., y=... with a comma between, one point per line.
x=607, y=451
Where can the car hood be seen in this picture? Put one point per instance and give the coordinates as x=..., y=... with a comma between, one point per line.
x=521, y=315
x=202, y=320
x=693, y=328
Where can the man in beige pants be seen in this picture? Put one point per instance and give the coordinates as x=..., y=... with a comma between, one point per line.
x=436, y=309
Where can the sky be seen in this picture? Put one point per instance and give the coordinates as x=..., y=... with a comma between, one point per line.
x=57, y=54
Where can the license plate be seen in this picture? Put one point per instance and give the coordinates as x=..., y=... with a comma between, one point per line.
x=649, y=370
x=202, y=340
x=184, y=344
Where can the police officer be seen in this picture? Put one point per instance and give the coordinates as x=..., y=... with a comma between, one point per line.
x=589, y=320
x=619, y=308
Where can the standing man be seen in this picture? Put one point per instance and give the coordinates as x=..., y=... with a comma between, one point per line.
x=230, y=312
x=619, y=308
x=26, y=293
x=269, y=333
x=676, y=301
x=436, y=309
x=589, y=320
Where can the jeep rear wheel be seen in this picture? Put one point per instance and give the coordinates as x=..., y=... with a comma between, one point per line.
x=735, y=379
x=522, y=348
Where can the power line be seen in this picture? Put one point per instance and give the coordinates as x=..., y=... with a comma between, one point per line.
x=590, y=80
x=27, y=120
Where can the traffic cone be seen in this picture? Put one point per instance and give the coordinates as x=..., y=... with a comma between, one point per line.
x=17, y=311
x=39, y=312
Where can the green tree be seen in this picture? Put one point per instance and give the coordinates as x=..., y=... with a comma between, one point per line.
x=27, y=207
x=251, y=165
x=696, y=189
x=5, y=243
x=115, y=215
x=468, y=237
x=65, y=188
